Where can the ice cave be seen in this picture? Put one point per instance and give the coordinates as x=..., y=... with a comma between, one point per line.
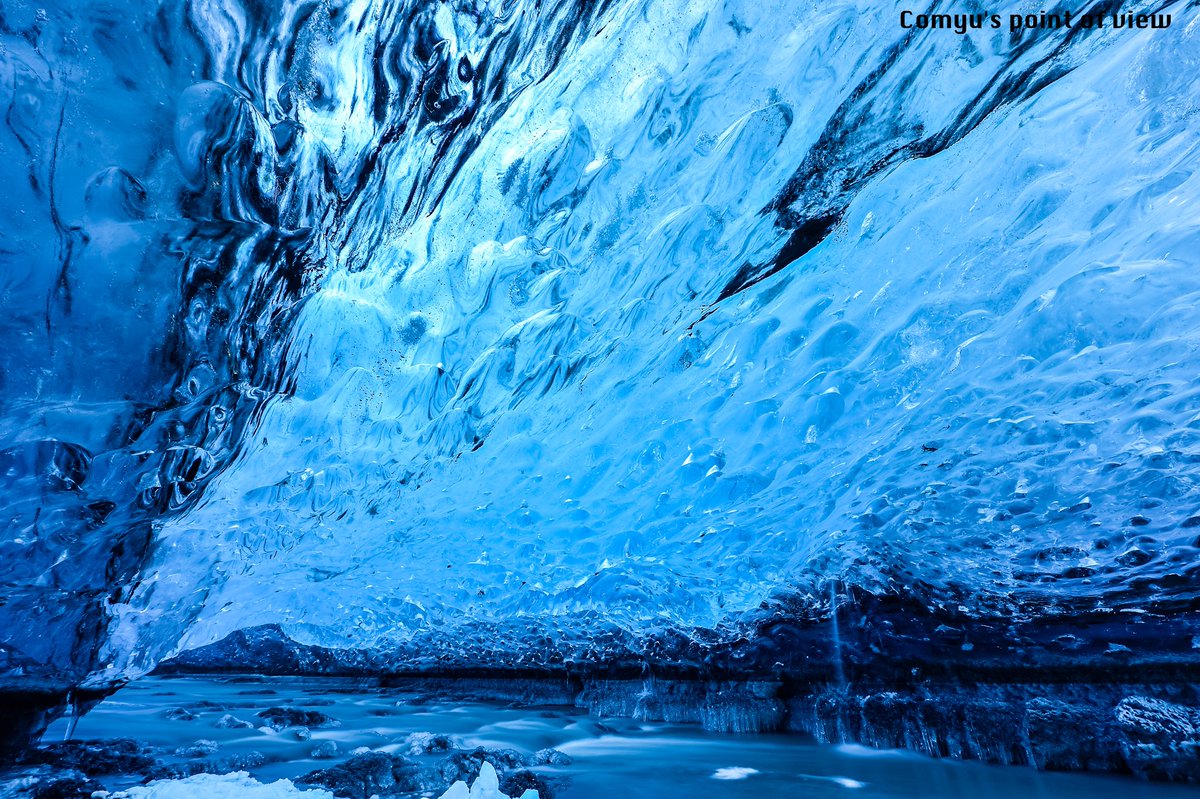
x=559, y=398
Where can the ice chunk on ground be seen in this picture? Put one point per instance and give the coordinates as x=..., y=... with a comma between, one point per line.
x=486, y=786
x=238, y=785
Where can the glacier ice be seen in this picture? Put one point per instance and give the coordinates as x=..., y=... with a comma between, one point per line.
x=520, y=334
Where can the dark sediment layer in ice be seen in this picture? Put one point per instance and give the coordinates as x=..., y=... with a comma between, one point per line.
x=1068, y=691
x=869, y=637
x=1058, y=690
x=344, y=306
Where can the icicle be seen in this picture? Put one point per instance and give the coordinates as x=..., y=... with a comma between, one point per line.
x=72, y=715
x=837, y=636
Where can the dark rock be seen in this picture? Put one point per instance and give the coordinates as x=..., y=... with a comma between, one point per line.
x=206, y=705
x=887, y=711
x=223, y=765
x=1060, y=726
x=26, y=715
x=96, y=757
x=268, y=650
x=363, y=776
x=465, y=765
x=180, y=714
x=74, y=787
x=230, y=722
x=511, y=767
x=551, y=757
x=1064, y=735
x=279, y=718
x=992, y=731
x=428, y=743
x=201, y=748
x=1160, y=739
x=517, y=783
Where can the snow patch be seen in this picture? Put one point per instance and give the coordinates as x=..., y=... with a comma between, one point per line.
x=238, y=785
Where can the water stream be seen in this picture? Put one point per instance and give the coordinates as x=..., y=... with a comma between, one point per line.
x=610, y=757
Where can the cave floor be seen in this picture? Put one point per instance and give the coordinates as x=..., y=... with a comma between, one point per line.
x=183, y=718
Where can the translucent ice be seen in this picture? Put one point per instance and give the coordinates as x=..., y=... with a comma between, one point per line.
x=485, y=786
x=238, y=785
x=527, y=327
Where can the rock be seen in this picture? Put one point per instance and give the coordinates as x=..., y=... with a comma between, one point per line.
x=96, y=757
x=230, y=722
x=485, y=786
x=501, y=758
x=518, y=783
x=465, y=767
x=280, y=718
x=204, y=704
x=180, y=714
x=302, y=734
x=1154, y=720
x=222, y=765
x=268, y=650
x=428, y=743
x=551, y=757
x=325, y=750
x=364, y=776
x=1067, y=735
x=1160, y=740
x=201, y=748
x=72, y=787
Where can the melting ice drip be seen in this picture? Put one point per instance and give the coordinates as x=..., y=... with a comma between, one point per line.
x=835, y=628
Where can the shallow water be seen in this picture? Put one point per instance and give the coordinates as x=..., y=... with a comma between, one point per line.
x=611, y=757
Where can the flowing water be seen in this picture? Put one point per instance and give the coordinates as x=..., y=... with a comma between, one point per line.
x=610, y=757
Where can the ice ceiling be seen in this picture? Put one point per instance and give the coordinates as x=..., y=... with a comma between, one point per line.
x=377, y=318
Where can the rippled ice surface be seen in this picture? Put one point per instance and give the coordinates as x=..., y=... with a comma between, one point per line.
x=612, y=757
x=382, y=320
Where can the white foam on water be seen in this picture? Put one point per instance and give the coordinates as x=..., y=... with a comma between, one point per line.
x=845, y=782
x=734, y=773
x=858, y=750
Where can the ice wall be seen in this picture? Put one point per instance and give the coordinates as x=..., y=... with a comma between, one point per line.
x=519, y=326
x=148, y=281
